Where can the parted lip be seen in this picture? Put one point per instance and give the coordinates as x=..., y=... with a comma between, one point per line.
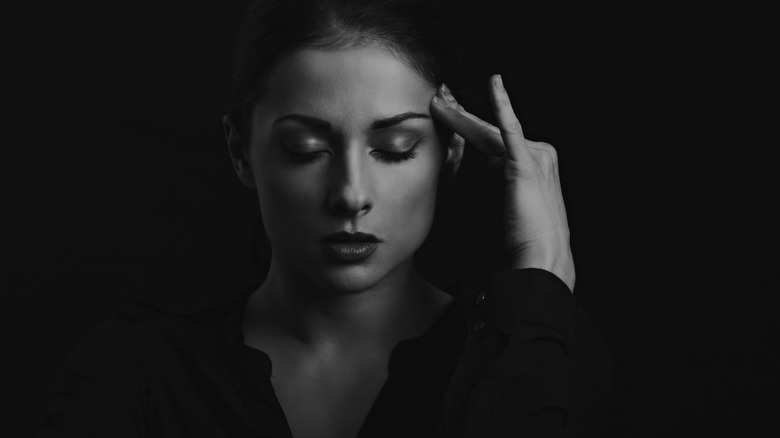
x=345, y=237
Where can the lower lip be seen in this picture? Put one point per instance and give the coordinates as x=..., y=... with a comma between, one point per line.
x=351, y=252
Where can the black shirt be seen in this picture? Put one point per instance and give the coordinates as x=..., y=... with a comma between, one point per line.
x=513, y=355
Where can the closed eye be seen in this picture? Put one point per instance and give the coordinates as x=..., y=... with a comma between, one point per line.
x=304, y=158
x=397, y=157
x=382, y=154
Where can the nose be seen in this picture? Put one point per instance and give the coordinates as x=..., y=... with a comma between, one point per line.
x=350, y=192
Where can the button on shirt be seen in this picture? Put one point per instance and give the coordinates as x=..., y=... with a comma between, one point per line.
x=513, y=355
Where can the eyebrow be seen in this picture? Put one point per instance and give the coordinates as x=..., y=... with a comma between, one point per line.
x=391, y=121
x=323, y=125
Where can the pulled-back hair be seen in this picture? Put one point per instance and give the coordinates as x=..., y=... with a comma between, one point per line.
x=409, y=29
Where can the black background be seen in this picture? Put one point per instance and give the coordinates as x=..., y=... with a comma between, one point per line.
x=117, y=185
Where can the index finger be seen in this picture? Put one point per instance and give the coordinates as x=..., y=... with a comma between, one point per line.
x=483, y=135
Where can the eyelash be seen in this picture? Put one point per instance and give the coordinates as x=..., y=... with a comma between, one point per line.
x=391, y=157
x=394, y=157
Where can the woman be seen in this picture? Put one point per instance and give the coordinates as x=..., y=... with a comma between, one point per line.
x=341, y=121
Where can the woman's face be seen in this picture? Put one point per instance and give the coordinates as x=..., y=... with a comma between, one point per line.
x=343, y=140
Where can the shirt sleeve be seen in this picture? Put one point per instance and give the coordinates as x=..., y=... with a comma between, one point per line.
x=100, y=390
x=533, y=364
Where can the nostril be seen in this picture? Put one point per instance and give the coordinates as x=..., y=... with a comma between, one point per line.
x=350, y=201
x=350, y=207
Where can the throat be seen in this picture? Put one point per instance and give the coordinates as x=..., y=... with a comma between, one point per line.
x=361, y=322
x=327, y=390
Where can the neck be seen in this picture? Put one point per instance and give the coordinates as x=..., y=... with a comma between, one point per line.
x=328, y=319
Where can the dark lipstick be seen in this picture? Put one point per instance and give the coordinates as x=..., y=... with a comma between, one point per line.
x=350, y=247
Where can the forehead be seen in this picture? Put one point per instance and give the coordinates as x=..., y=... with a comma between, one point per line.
x=347, y=86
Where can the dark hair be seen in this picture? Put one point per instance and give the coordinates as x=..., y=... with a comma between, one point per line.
x=271, y=28
x=410, y=29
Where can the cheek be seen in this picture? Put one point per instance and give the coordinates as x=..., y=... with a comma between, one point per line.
x=414, y=195
x=286, y=198
x=288, y=189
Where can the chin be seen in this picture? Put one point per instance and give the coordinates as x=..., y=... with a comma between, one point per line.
x=343, y=279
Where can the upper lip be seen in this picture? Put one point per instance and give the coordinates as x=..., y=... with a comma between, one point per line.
x=346, y=237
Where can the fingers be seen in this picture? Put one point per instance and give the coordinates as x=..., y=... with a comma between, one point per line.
x=443, y=92
x=511, y=130
x=483, y=135
x=447, y=95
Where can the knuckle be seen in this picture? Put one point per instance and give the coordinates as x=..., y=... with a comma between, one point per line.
x=553, y=154
x=543, y=145
x=545, y=161
x=549, y=152
x=457, y=141
x=513, y=126
x=487, y=132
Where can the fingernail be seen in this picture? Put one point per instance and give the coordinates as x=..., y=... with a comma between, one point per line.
x=447, y=93
x=499, y=82
x=438, y=101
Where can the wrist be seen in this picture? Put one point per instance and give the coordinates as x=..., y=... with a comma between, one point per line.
x=560, y=263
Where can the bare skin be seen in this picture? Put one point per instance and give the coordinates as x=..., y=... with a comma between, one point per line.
x=535, y=223
x=329, y=329
x=328, y=392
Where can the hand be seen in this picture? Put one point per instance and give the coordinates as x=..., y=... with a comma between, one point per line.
x=536, y=228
